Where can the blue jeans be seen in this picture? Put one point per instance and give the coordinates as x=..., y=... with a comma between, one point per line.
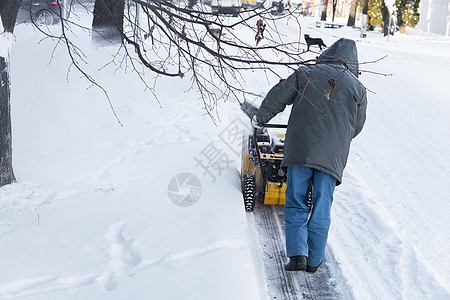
x=307, y=235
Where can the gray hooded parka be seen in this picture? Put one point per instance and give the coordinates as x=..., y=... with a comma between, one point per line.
x=328, y=110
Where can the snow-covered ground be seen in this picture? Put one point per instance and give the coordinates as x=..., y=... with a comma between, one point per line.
x=92, y=215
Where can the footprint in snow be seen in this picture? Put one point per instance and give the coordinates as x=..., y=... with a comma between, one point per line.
x=122, y=254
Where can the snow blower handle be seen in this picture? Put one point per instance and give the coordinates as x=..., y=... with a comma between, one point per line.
x=274, y=125
x=249, y=109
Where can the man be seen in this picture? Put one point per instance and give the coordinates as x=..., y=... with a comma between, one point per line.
x=328, y=111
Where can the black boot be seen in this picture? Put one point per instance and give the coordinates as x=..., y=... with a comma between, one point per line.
x=310, y=269
x=296, y=263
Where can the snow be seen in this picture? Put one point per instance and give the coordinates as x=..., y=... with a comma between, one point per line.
x=390, y=5
x=6, y=39
x=435, y=16
x=91, y=217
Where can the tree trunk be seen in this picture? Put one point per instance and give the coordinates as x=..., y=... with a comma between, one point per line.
x=365, y=7
x=107, y=25
x=8, y=15
x=324, y=10
x=370, y=26
x=6, y=169
x=386, y=17
x=400, y=6
x=334, y=9
x=352, y=15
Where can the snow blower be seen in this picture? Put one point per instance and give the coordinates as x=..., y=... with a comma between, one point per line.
x=262, y=176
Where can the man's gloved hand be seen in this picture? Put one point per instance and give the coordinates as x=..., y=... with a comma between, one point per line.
x=249, y=109
x=256, y=124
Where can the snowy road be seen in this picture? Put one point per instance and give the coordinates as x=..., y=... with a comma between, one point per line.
x=280, y=284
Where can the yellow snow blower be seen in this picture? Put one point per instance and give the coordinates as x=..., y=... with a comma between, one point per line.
x=262, y=176
x=261, y=172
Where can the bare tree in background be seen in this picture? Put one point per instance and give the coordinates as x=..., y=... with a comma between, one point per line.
x=8, y=15
x=352, y=14
x=182, y=40
x=323, y=16
x=107, y=23
x=334, y=3
x=171, y=39
x=386, y=17
x=186, y=40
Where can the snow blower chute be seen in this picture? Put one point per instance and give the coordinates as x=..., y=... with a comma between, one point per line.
x=262, y=177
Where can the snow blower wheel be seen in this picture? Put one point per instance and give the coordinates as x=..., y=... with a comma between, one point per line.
x=249, y=192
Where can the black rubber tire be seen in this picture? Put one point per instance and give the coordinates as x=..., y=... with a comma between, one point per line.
x=249, y=192
x=44, y=17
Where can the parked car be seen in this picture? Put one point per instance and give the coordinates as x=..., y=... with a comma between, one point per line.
x=226, y=7
x=41, y=12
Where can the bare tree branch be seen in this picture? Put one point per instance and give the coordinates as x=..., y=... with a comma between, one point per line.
x=215, y=53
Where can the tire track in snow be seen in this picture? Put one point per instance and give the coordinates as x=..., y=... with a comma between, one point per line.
x=281, y=284
x=258, y=262
x=370, y=244
x=364, y=238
